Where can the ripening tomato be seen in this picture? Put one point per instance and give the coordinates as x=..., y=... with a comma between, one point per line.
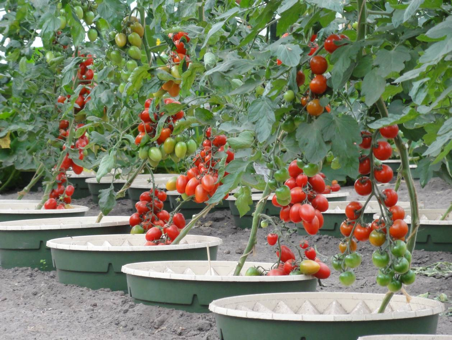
x=318, y=84
x=329, y=43
x=364, y=165
x=346, y=228
x=363, y=186
x=317, y=183
x=287, y=254
x=165, y=133
x=344, y=245
x=318, y=64
x=389, y=132
x=320, y=203
x=302, y=180
x=307, y=212
x=391, y=197
x=383, y=174
x=352, y=210
x=314, y=108
x=294, y=213
x=366, y=140
x=297, y=195
x=382, y=151
x=397, y=212
x=362, y=233
x=181, y=184
x=179, y=220
x=379, y=225
x=311, y=227
x=398, y=229
x=285, y=214
x=377, y=238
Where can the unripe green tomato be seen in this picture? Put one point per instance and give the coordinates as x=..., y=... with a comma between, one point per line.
x=347, y=278
x=264, y=224
x=383, y=279
x=112, y=35
x=159, y=93
x=337, y=264
x=289, y=125
x=355, y=25
x=134, y=52
x=329, y=157
x=62, y=13
x=154, y=154
x=283, y=195
x=253, y=271
x=401, y=265
x=281, y=175
x=174, y=158
x=143, y=152
x=259, y=91
x=184, y=197
x=85, y=7
x=125, y=75
x=137, y=229
x=299, y=119
x=62, y=22
x=310, y=169
x=289, y=96
x=175, y=73
x=153, y=163
x=49, y=56
x=134, y=39
x=116, y=57
x=191, y=147
x=236, y=83
x=179, y=138
x=380, y=258
x=399, y=248
x=79, y=12
x=226, y=117
x=92, y=34
x=59, y=5
x=353, y=260
x=180, y=149
x=88, y=17
x=131, y=65
x=408, y=256
x=272, y=184
x=121, y=87
x=120, y=40
x=408, y=278
x=335, y=165
x=394, y=286
x=209, y=60
x=169, y=145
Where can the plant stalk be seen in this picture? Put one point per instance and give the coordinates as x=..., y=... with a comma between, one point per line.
x=39, y=173
x=145, y=40
x=192, y=222
x=10, y=178
x=444, y=216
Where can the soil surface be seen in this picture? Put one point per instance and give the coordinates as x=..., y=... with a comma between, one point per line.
x=34, y=305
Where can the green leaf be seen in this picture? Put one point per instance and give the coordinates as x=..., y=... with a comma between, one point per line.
x=289, y=17
x=285, y=5
x=243, y=200
x=77, y=30
x=189, y=76
x=401, y=118
x=50, y=24
x=261, y=112
x=425, y=109
x=107, y=164
x=111, y=10
x=137, y=77
x=425, y=171
x=216, y=27
x=248, y=86
x=311, y=141
x=243, y=141
x=233, y=66
x=289, y=54
x=204, y=116
x=391, y=90
x=373, y=86
x=107, y=200
x=342, y=58
x=235, y=168
x=363, y=67
x=411, y=9
x=391, y=61
x=182, y=125
x=439, y=49
x=334, y=5
x=435, y=148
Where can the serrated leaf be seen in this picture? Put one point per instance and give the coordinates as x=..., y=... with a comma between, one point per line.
x=401, y=118
x=230, y=181
x=243, y=141
x=204, y=116
x=289, y=54
x=343, y=57
x=311, y=142
x=391, y=61
x=107, y=164
x=243, y=200
x=182, y=125
x=334, y=5
x=261, y=112
x=373, y=86
x=106, y=200
x=189, y=76
x=411, y=9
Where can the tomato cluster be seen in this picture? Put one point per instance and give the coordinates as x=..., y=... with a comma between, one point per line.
x=386, y=233
x=287, y=264
x=130, y=36
x=61, y=194
x=160, y=226
x=202, y=180
x=167, y=146
x=300, y=198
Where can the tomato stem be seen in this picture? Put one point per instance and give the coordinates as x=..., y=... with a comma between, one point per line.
x=38, y=174
x=192, y=222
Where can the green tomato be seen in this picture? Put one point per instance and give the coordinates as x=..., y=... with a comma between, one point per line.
x=62, y=22
x=259, y=91
x=399, y=248
x=174, y=71
x=329, y=157
x=337, y=263
x=121, y=87
x=49, y=56
x=59, y=5
x=289, y=96
x=355, y=25
x=116, y=57
x=272, y=184
x=137, y=229
x=264, y=224
x=408, y=256
x=120, y=40
x=153, y=163
x=347, y=278
x=383, y=279
x=79, y=12
x=408, y=278
x=394, y=286
x=169, y=145
x=380, y=259
x=353, y=260
x=209, y=60
x=174, y=158
x=401, y=265
x=92, y=34
x=131, y=65
x=191, y=147
x=154, y=154
x=89, y=18
x=180, y=149
x=236, y=83
x=283, y=195
x=253, y=271
x=299, y=119
x=289, y=125
x=179, y=138
x=143, y=152
x=281, y=175
x=335, y=165
x=134, y=39
x=134, y=52
x=310, y=169
x=125, y=75
x=295, y=272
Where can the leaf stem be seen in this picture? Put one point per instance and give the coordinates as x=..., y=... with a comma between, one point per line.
x=192, y=222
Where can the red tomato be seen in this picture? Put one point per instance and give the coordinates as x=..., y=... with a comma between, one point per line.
x=391, y=197
x=146, y=197
x=172, y=232
x=272, y=239
x=179, y=220
x=64, y=124
x=293, y=169
x=297, y=195
x=363, y=186
x=181, y=184
x=61, y=100
x=285, y=214
x=389, y=132
x=80, y=103
x=346, y=228
x=335, y=187
x=219, y=140
x=294, y=213
x=208, y=183
x=141, y=207
x=311, y=227
x=397, y=212
x=323, y=272
x=77, y=169
x=287, y=254
x=382, y=151
x=144, y=115
x=275, y=203
x=318, y=64
x=362, y=233
x=165, y=133
x=307, y=212
x=366, y=140
x=320, y=202
x=383, y=174
x=317, y=183
x=135, y=219
x=300, y=78
x=329, y=43
x=398, y=229
x=163, y=215
x=320, y=218
x=289, y=266
x=318, y=84
x=191, y=186
x=153, y=234
x=291, y=183
x=275, y=272
x=51, y=203
x=352, y=209
x=69, y=190
x=310, y=253
x=201, y=195
x=302, y=180
x=304, y=244
x=364, y=165
x=162, y=195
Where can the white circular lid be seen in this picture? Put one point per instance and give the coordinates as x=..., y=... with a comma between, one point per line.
x=105, y=180
x=27, y=208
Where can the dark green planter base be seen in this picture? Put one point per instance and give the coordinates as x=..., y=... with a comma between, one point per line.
x=102, y=269
x=245, y=221
x=27, y=248
x=234, y=328
x=94, y=189
x=81, y=187
x=195, y=296
x=434, y=238
x=26, y=177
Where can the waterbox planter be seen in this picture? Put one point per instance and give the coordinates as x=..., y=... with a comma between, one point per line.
x=321, y=316
x=406, y=337
x=79, y=183
x=142, y=184
x=190, y=208
x=94, y=187
x=23, y=243
x=335, y=215
x=433, y=234
x=193, y=285
x=13, y=210
x=27, y=176
x=271, y=210
x=95, y=261
x=396, y=163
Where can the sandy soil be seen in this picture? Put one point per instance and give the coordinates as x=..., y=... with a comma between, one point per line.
x=33, y=305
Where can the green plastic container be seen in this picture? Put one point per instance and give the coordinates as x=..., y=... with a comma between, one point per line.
x=433, y=234
x=321, y=316
x=95, y=261
x=190, y=208
x=193, y=285
x=94, y=187
x=23, y=243
x=14, y=210
x=406, y=337
x=79, y=183
x=396, y=163
x=26, y=177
